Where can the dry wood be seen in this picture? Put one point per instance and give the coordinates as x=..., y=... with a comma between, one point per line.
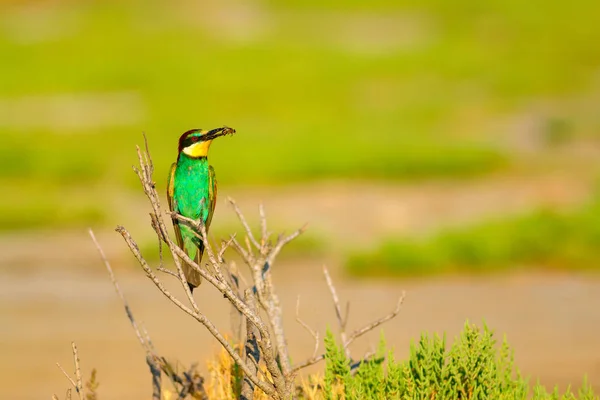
x=79, y=384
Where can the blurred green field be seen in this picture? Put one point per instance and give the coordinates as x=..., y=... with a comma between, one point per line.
x=544, y=239
x=317, y=90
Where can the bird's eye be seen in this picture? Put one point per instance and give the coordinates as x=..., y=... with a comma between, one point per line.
x=193, y=139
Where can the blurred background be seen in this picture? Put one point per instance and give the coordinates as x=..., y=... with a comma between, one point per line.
x=448, y=149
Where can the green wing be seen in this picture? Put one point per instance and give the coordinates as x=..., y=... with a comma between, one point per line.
x=212, y=195
x=172, y=206
x=193, y=278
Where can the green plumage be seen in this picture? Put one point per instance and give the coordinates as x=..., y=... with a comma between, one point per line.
x=192, y=192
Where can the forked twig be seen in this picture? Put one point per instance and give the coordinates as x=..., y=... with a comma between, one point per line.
x=251, y=349
x=115, y=283
x=168, y=272
x=263, y=225
x=77, y=371
x=314, y=334
x=347, y=340
x=77, y=385
x=66, y=374
x=282, y=241
x=198, y=316
x=242, y=219
x=151, y=357
x=260, y=266
x=156, y=364
x=342, y=319
x=224, y=246
x=369, y=327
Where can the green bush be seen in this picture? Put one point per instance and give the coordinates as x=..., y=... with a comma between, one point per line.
x=472, y=368
x=540, y=238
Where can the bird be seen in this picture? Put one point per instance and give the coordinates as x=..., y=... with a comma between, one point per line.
x=192, y=193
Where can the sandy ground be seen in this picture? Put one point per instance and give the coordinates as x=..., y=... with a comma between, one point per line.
x=552, y=323
x=58, y=291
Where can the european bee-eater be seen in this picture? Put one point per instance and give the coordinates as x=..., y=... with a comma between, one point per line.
x=192, y=192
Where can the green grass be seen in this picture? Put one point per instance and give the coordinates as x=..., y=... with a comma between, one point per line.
x=36, y=206
x=306, y=103
x=543, y=238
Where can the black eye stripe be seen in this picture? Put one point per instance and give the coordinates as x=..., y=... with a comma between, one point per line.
x=191, y=140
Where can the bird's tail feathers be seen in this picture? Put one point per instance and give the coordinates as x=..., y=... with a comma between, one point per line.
x=193, y=277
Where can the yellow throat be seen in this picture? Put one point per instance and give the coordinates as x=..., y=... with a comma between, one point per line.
x=199, y=149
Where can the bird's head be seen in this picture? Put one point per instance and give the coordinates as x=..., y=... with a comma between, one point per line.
x=196, y=142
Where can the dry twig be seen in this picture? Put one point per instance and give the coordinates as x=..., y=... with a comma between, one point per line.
x=342, y=321
x=77, y=385
x=372, y=325
x=314, y=334
x=251, y=349
x=156, y=364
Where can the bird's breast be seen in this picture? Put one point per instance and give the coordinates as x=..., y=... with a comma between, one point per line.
x=191, y=189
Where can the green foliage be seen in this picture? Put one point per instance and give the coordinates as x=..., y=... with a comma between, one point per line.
x=412, y=93
x=39, y=205
x=337, y=366
x=92, y=386
x=472, y=368
x=541, y=238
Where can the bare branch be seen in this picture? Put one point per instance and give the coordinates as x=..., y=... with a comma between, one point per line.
x=79, y=386
x=198, y=316
x=215, y=260
x=227, y=292
x=233, y=279
x=248, y=245
x=168, y=272
x=67, y=375
x=242, y=219
x=247, y=257
x=151, y=357
x=342, y=320
x=264, y=237
x=270, y=303
x=148, y=159
x=251, y=349
x=314, y=358
x=369, y=327
x=237, y=277
x=115, y=283
x=186, y=287
x=156, y=376
x=314, y=334
x=268, y=299
x=224, y=246
x=194, y=223
x=282, y=241
x=199, y=229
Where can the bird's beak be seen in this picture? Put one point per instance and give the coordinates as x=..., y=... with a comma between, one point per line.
x=215, y=133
